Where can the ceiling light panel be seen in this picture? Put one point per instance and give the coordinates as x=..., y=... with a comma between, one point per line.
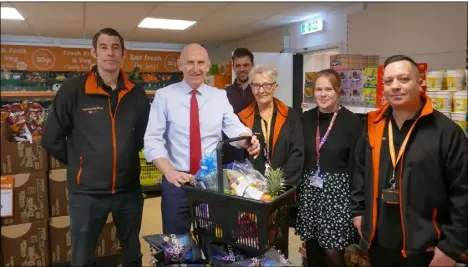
x=11, y=13
x=166, y=24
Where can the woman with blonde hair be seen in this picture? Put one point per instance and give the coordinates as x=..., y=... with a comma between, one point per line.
x=331, y=131
x=277, y=126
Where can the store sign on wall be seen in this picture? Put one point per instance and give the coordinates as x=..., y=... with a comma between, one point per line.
x=312, y=26
x=41, y=58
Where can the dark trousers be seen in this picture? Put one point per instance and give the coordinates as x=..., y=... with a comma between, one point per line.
x=175, y=210
x=380, y=256
x=88, y=214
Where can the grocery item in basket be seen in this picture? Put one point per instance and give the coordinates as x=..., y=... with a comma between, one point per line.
x=222, y=254
x=174, y=249
x=181, y=265
x=207, y=176
x=25, y=120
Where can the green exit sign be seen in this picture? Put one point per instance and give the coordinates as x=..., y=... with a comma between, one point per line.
x=312, y=26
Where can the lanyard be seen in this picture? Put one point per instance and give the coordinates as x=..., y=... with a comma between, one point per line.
x=320, y=141
x=266, y=130
x=391, y=147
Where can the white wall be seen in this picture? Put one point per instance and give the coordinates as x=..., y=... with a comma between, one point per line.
x=435, y=33
x=334, y=34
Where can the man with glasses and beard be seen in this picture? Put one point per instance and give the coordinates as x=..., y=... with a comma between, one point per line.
x=239, y=94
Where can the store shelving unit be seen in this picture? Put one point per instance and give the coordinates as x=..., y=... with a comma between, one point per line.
x=41, y=87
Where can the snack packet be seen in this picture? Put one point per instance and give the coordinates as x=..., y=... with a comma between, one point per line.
x=222, y=254
x=174, y=249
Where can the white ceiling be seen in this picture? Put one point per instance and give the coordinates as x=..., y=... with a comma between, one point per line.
x=217, y=22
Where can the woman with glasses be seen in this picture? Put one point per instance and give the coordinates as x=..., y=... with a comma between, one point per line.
x=277, y=127
x=330, y=131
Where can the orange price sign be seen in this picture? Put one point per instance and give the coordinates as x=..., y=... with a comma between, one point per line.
x=7, y=184
x=170, y=62
x=43, y=59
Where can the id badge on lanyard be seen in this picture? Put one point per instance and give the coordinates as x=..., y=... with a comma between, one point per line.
x=266, y=130
x=392, y=195
x=316, y=179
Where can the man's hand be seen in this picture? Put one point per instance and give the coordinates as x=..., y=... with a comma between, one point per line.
x=357, y=224
x=440, y=259
x=179, y=178
x=253, y=147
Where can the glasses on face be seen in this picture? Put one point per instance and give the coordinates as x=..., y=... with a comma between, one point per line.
x=266, y=86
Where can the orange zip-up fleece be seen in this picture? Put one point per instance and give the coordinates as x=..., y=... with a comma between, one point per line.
x=99, y=147
x=433, y=183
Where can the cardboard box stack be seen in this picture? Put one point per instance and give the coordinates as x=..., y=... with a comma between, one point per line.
x=354, y=72
x=24, y=203
x=34, y=207
x=353, y=62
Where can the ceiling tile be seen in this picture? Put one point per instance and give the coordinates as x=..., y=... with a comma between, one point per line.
x=16, y=27
x=216, y=22
x=58, y=11
x=194, y=5
x=241, y=14
x=170, y=12
x=116, y=14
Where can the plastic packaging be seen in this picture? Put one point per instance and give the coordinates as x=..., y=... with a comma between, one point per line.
x=455, y=79
x=174, y=249
x=460, y=102
x=441, y=100
x=434, y=79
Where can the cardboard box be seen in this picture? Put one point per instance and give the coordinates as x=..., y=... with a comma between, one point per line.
x=60, y=239
x=20, y=158
x=108, y=242
x=25, y=244
x=58, y=193
x=30, y=199
x=54, y=164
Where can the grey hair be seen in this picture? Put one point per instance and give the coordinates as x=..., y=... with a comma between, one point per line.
x=269, y=72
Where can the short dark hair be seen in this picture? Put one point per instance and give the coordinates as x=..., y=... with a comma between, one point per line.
x=397, y=58
x=110, y=32
x=243, y=52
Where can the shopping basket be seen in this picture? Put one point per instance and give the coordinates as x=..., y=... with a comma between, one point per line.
x=246, y=223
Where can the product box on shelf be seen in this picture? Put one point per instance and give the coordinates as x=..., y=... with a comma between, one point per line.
x=25, y=244
x=60, y=239
x=58, y=193
x=55, y=164
x=352, y=62
x=108, y=242
x=20, y=157
x=30, y=201
x=369, y=77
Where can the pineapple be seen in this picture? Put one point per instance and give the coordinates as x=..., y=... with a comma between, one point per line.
x=275, y=182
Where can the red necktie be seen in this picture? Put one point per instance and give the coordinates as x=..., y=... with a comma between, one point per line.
x=195, y=139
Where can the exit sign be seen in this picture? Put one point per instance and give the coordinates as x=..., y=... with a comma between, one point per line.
x=313, y=26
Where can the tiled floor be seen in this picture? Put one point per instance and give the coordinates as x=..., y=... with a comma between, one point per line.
x=152, y=224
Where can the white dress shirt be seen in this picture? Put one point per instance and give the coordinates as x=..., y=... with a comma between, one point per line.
x=168, y=131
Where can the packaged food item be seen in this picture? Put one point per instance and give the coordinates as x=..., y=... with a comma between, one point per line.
x=25, y=120
x=222, y=254
x=271, y=258
x=174, y=249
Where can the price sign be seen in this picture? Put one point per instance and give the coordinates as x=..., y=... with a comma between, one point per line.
x=6, y=191
x=43, y=59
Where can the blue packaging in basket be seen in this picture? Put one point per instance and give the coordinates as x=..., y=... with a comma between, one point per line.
x=174, y=249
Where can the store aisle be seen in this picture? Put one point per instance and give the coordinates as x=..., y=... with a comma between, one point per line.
x=152, y=224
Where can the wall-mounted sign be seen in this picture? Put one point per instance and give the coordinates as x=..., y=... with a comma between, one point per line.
x=41, y=58
x=312, y=26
